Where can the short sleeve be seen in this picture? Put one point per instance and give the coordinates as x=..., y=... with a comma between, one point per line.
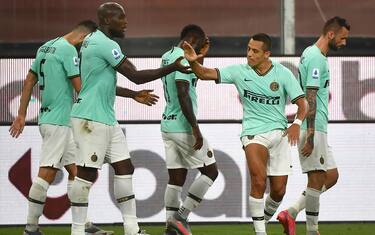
x=34, y=67
x=292, y=87
x=71, y=62
x=227, y=74
x=183, y=76
x=314, y=69
x=112, y=53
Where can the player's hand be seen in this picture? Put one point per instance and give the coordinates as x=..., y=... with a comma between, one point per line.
x=293, y=134
x=308, y=147
x=180, y=67
x=205, y=48
x=189, y=52
x=146, y=97
x=17, y=126
x=198, y=138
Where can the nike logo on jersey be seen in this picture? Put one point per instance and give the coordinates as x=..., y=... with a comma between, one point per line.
x=248, y=80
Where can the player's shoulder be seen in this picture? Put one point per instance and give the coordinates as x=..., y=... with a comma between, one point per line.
x=173, y=53
x=282, y=70
x=312, y=53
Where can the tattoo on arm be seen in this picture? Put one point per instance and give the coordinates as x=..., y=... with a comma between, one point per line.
x=310, y=117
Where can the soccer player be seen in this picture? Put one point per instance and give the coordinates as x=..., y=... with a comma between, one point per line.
x=96, y=132
x=185, y=147
x=56, y=70
x=314, y=153
x=264, y=86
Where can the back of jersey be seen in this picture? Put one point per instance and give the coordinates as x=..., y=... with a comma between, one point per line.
x=55, y=64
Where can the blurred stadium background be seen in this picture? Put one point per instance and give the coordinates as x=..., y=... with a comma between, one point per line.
x=154, y=26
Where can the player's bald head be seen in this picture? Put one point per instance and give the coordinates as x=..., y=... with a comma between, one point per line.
x=108, y=10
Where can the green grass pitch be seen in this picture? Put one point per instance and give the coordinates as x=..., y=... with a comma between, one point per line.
x=217, y=229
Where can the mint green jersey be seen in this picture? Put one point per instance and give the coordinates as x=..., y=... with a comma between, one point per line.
x=263, y=97
x=173, y=120
x=55, y=64
x=99, y=58
x=314, y=74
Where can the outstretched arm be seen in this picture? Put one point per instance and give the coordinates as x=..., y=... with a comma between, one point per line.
x=187, y=109
x=199, y=70
x=310, y=120
x=19, y=122
x=143, y=96
x=143, y=76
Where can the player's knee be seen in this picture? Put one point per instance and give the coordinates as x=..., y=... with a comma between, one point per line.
x=258, y=183
x=212, y=174
x=38, y=190
x=210, y=171
x=123, y=167
x=277, y=193
x=177, y=180
x=80, y=191
x=87, y=173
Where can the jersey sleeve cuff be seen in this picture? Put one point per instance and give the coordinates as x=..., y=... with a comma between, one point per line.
x=297, y=98
x=119, y=63
x=218, y=76
x=33, y=72
x=73, y=76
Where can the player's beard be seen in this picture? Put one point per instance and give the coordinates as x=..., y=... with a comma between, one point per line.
x=332, y=45
x=117, y=34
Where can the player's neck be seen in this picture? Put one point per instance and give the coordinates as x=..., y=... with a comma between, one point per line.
x=322, y=44
x=71, y=38
x=105, y=30
x=264, y=67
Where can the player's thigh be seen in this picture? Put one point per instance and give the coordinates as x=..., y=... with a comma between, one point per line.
x=181, y=154
x=257, y=150
x=118, y=148
x=54, y=139
x=92, y=140
x=280, y=156
x=70, y=152
x=317, y=161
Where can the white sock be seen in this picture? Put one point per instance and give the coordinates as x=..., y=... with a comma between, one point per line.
x=312, y=209
x=270, y=208
x=256, y=207
x=79, y=198
x=172, y=199
x=300, y=204
x=37, y=198
x=123, y=191
x=195, y=195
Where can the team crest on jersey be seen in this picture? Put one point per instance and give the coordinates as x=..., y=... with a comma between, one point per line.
x=94, y=157
x=116, y=54
x=75, y=61
x=315, y=73
x=274, y=86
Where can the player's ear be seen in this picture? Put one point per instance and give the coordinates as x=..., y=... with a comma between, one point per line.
x=267, y=54
x=330, y=35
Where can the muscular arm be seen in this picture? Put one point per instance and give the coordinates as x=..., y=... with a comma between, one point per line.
x=27, y=89
x=310, y=117
x=127, y=69
x=124, y=92
x=19, y=122
x=76, y=82
x=187, y=109
x=185, y=102
x=302, y=108
x=202, y=72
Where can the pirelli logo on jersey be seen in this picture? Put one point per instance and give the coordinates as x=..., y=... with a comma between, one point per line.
x=263, y=99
